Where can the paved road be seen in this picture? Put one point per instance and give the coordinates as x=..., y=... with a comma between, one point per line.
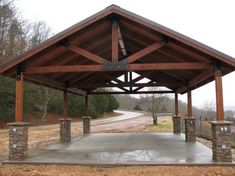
x=126, y=115
x=233, y=129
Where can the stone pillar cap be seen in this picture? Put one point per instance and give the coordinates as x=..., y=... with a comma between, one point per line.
x=221, y=122
x=65, y=119
x=18, y=124
x=86, y=117
x=190, y=118
x=177, y=116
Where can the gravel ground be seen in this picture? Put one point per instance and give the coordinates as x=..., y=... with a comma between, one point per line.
x=24, y=170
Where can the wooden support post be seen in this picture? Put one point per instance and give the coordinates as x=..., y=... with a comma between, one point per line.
x=126, y=77
x=130, y=80
x=65, y=113
x=114, y=41
x=219, y=95
x=176, y=105
x=190, y=114
x=86, y=106
x=19, y=96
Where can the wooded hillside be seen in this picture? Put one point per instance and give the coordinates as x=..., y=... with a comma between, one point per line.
x=18, y=35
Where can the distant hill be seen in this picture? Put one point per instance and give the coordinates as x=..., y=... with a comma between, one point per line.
x=231, y=108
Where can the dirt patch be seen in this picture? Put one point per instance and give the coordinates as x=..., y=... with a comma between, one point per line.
x=25, y=170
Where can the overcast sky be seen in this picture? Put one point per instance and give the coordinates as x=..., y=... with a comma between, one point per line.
x=208, y=21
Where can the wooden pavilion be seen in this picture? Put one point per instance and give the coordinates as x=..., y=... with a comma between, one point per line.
x=96, y=51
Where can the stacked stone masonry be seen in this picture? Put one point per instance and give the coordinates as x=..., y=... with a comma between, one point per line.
x=177, y=124
x=18, y=141
x=65, y=130
x=221, y=141
x=86, y=125
x=190, y=130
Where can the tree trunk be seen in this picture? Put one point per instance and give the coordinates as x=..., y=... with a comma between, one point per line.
x=155, y=118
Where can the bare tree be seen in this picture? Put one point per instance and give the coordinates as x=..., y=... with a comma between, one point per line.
x=208, y=110
x=154, y=103
x=39, y=33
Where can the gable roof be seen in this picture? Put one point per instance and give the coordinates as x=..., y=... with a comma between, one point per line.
x=138, y=32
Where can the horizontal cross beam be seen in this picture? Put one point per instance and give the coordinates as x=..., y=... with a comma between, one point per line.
x=129, y=84
x=132, y=67
x=131, y=92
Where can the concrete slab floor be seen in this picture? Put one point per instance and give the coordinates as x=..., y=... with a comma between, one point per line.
x=126, y=148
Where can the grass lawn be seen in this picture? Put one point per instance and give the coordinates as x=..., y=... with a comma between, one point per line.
x=164, y=125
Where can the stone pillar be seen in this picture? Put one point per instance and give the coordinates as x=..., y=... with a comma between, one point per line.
x=65, y=130
x=176, y=124
x=221, y=141
x=86, y=125
x=190, y=129
x=18, y=141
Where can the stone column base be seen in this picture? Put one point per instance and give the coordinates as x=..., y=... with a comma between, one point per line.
x=176, y=124
x=18, y=141
x=221, y=141
x=86, y=125
x=190, y=129
x=65, y=130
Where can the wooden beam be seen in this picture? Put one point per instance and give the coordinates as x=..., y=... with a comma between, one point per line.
x=86, y=106
x=142, y=76
x=144, y=52
x=131, y=92
x=44, y=81
x=115, y=41
x=189, y=104
x=127, y=84
x=130, y=80
x=196, y=80
x=219, y=95
x=132, y=67
x=65, y=109
x=176, y=105
x=76, y=91
x=141, y=87
x=126, y=77
x=64, y=69
x=170, y=66
x=121, y=42
x=86, y=54
x=19, y=98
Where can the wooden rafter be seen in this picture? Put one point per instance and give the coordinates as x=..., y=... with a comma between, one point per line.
x=38, y=79
x=145, y=51
x=121, y=42
x=196, y=80
x=86, y=54
x=141, y=87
